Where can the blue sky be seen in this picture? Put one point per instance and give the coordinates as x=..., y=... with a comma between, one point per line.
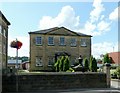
x=96, y=18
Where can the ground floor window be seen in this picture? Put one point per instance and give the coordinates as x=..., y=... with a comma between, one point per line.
x=38, y=61
x=51, y=61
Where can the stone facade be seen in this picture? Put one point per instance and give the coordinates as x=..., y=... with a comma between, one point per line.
x=47, y=45
x=4, y=23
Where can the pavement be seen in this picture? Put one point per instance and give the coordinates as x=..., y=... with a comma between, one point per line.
x=95, y=90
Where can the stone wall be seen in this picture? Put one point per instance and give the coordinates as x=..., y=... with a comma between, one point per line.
x=51, y=81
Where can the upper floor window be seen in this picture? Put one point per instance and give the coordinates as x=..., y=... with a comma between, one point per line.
x=62, y=41
x=83, y=42
x=73, y=42
x=38, y=40
x=4, y=33
x=38, y=61
x=50, y=41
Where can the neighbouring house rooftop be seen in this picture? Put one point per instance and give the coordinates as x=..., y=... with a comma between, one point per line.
x=14, y=61
x=115, y=57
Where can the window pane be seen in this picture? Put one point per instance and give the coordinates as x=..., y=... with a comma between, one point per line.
x=38, y=61
x=4, y=33
x=73, y=41
x=83, y=42
x=38, y=40
x=50, y=61
x=50, y=41
x=62, y=41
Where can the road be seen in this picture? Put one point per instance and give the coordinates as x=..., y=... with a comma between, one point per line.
x=115, y=83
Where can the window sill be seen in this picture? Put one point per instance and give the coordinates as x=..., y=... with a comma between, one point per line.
x=38, y=44
x=62, y=45
x=83, y=45
x=51, y=45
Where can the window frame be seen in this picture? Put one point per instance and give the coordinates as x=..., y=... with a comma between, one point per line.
x=37, y=42
x=83, y=42
x=50, y=40
x=73, y=42
x=38, y=60
x=50, y=60
x=62, y=41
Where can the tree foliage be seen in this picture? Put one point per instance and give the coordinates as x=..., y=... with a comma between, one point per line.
x=93, y=64
x=66, y=65
x=62, y=64
x=86, y=64
x=106, y=59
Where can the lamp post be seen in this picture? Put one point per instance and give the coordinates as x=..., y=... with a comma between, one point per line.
x=16, y=44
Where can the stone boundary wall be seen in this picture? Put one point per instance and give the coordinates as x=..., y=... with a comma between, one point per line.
x=53, y=81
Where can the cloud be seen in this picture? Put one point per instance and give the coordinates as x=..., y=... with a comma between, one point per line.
x=24, y=50
x=66, y=18
x=114, y=15
x=103, y=48
x=96, y=12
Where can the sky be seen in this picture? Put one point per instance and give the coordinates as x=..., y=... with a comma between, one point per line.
x=96, y=18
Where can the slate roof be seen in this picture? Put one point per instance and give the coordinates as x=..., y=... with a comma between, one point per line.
x=3, y=17
x=56, y=28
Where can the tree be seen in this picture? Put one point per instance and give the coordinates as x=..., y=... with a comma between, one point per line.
x=93, y=64
x=86, y=64
x=61, y=63
x=66, y=65
x=56, y=65
x=106, y=59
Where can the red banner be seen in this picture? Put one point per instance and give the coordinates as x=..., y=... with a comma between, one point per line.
x=16, y=44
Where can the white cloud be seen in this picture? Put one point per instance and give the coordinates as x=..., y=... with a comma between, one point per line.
x=114, y=15
x=103, y=48
x=23, y=51
x=96, y=12
x=66, y=18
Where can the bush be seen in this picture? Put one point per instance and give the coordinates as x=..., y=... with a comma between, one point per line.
x=86, y=64
x=118, y=72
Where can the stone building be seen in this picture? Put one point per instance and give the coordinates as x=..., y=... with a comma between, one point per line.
x=4, y=23
x=46, y=46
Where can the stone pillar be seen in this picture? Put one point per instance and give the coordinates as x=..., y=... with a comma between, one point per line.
x=107, y=71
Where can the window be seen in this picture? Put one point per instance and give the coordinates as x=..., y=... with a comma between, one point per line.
x=38, y=61
x=83, y=42
x=50, y=41
x=62, y=41
x=50, y=61
x=38, y=40
x=4, y=33
x=73, y=41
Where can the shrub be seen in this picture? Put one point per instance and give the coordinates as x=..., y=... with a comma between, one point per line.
x=118, y=72
x=86, y=64
x=93, y=64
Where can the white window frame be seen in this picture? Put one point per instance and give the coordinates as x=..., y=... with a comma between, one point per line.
x=50, y=60
x=38, y=61
x=50, y=40
x=62, y=41
x=4, y=32
x=83, y=42
x=73, y=42
x=38, y=40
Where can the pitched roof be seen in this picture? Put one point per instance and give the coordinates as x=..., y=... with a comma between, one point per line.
x=115, y=57
x=4, y=18
x=46, y=31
